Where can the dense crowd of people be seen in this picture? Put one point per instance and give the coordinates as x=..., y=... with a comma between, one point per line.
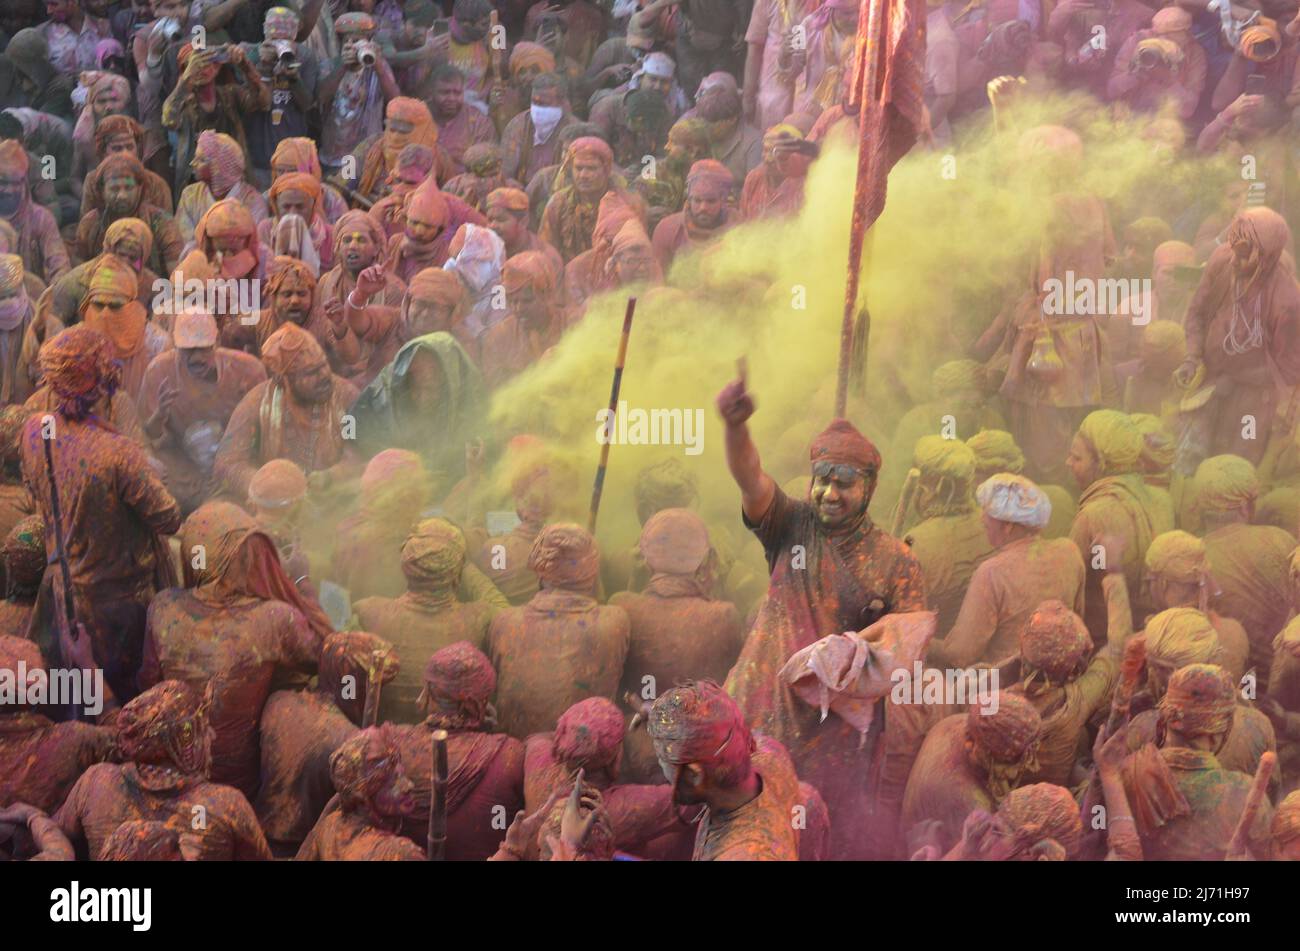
x=265, y=272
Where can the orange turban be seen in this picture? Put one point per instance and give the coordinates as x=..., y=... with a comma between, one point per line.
x=709, y=178
x=591, y=146
x=527, y=54
x=674, y=542
x=429, y=204
x=565, y=556
x=630, y=237
x=226, y=217
x=303, y=182
x=279, y=483
x=528, y=269
x=301, y=152
x=129, y=228
x=115, y=280
x=436, y=286
x=840, y=442
x=589, y=734
x=79, y=366
x=350, y=222
x=289, y=350
x=511, y=199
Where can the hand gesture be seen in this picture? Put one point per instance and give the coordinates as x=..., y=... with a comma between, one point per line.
x=1187, y=374
x=1109, y=751
x=167, y=395
x=574, y=826
x=370, y=282
x=523, y=830
x=735, y=405
x=333, y=309
x=642, y=708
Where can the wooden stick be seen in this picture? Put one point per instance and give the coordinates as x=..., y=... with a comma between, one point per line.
x=374, y=686
x=905, y=500
x=436, y=844
x=613, y=414
x=1254, y=799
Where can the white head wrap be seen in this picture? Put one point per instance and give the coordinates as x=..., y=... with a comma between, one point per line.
x=1015, y=499
x=658, y=64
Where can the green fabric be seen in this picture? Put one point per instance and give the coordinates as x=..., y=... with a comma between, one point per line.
x=439, y=437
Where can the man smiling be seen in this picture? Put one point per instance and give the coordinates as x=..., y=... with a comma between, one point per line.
x=832, y=570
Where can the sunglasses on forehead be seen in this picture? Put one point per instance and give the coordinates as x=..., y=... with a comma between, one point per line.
x=840, y=472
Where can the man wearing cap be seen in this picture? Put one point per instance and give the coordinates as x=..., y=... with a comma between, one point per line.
x=950, y=540
x=356, y=92
x=706, y=750
x=186, y=399
x=1174, y=639
x=1178, y=576
x=297, y=413
x=996, y=452
x=301, y=728
x=672, y=614
x=375, y=795
x=615, y=113
x=1105, y=457
x=429, y=615
x=707, y=214
x=40, y=760
x=617, y=58
x=832, y=570
x=970, y=761
x=562, y=646
x=39, y=243
x=16, y=312
x=732, y=141
x=1250, y=563
x=1160, y=63
x=1186, y=804
x=485, y=769
x=1065, y=687
x=276, y=496
x=161, y=775
x=507, y=212
x=114, y=509
x=1023, y=571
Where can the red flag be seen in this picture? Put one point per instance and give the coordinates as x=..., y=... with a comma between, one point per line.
x=888, y=88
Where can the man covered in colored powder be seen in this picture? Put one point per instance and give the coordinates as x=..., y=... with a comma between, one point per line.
x=832, y=570
x=113, y=507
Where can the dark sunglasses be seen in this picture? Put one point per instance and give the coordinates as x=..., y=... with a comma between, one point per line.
x=840, y=472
